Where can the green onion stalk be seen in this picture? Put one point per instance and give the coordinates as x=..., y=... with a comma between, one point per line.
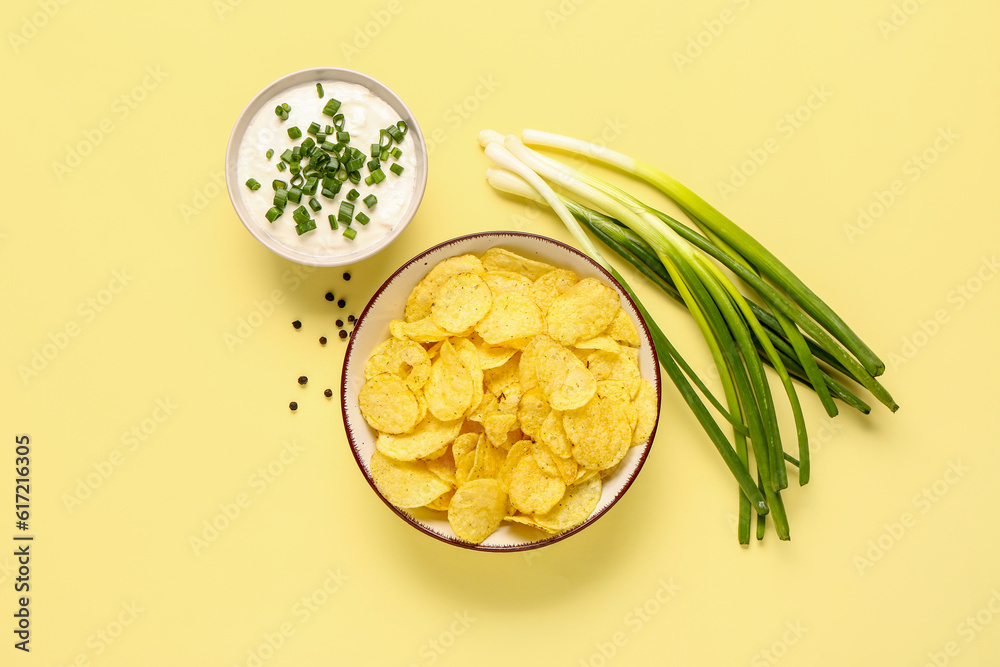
x=741, y=335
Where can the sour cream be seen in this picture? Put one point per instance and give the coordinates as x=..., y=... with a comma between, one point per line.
x=365, y=115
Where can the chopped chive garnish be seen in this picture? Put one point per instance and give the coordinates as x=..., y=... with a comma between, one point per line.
x=341, y=174
x=253, y=184
x=273, y=213
x=294, y=132
x=328, y=129
x=314, y=204
x=402, y=126
x=307, y=145
x=374, y=164
x=319, y=89
x=310, y=187
x=369, y=180
x=278, y=185
x=349, y=233
x=314, y=128
x=306, y=226
x=284, y=105
x=354, y=177
x=338, y=122
x=294, y=168
x=295, y=195
x=280, y=198
x=301, y=214
x=396, y=153
x=287, y=155
x=321, y=137
x=297, y=180
x=383, y=155
x=346, y=212
x=327, y=146
x=282, y=166
x=353, y=194
x=370, y=200
x=362, y=218
x=329, y=193
x=396, y=168
x=375, y=150
x=343, y=137
x=269, y=154
x=384, y=139
x=395, y=133
x=378, y=176
x=331, y=107
x=333, y=221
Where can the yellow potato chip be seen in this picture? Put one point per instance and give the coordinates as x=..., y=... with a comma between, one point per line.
x=574, y=508
x=487, y=460
x=487, y=406
x=388, y=405
x=646, y=407
x=563, y=378
x=526, y=371
x=568, y=468
x=585, y=475
x=444, y=466
x=441, y=503
x=461, y=301
x=489, y=356
x=469, y=357
x=599, y=432
x=427, y=437
x=404, y=358
x=496, y=380
x=405, y=484
x=617, y=367
x=477, y=509
x=602, y=342
x=497, y=426
x=418, y=304
x=518, y=450
x=421, y=331
x=509, y=399
x=622, y=330
x=526, y=520
x=531, y=490
x=546, y=288
x=583, y=311
x=545, y=459
x=532, y=411
x=615, y=390
x=449, y=390
x=513, y=319
x=463, y=466
x=552, y=434
x=507, y=281
x=499, y=259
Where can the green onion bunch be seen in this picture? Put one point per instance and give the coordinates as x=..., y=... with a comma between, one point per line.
x=786, y=326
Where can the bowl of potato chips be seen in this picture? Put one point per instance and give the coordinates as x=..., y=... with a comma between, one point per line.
x=500, y=391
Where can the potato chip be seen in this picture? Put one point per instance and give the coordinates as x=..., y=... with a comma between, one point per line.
x=518, y=450
x=532, y=411
x=528, y=363
x=464, y=444
x=496, y=380
x=388, y=405
x=449, y=390
x=489, y=356
x=488, y=406
x=404, y=358
x=563, y=378
x=507, y=281
x=545, y=460
x=499, y=259
x=509, y=399
x=614, y=390
x=573, y=509
x=583, y=311
x=461, y=301
x=531, y=490
x=622, y=330
x=568, y=468
x=477, y=509
x=602, y=342
x=552, y=434
x=428, y=436
x=599, y=432
x=546, y=288
x=463, y=467
x=469, y=356
x=526, y=520
x=646, y=406
x=418, y=304
x=617, y=367
x=444, y=466
x=405, y=484
x=513, y=319
x=421, y=331
x=442, y=502
x=487, y=460
x=497, y=426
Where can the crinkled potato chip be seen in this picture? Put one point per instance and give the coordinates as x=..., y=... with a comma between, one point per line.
x=599, y=432
x=449, y=390
x=477, y=509
x=622, y=330
x=546, y=288
x=406, y=484
x=563, y=378
x=428, y=436
x=507, y=392
x=388, y=405
x=499, y=259
x=532, y=490
x=581, y=312
x=461, y=302
x=646, y=407
x=573, y=509
x=418, y=304
x=507, y=281
x=512, y=320
x=405, y=358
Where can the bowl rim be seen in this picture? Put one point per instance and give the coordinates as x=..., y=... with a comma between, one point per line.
x=344, y=75
x=416, y=523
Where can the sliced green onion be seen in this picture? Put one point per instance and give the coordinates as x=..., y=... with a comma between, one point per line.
x=287, y=155
x=377, y=176
x=282, y=166
x=346, y=212
x=319, y=89
x=353, y=194
x=297, y=180
x=370, y=200
x=295, y=195
x=395, y=133
x=314, y=204
x=333, y=221
x=331, y=107
x=383, y=155
x=385, y=139
x=306, y=226
x=375, y=150
x=269, y=154
x=299, y=214
x=350, y=233
x=354, y=177
x=253, y=184
x=343, y=137
x=396, y=153
x=294, y=132
x=373, y=164
x=278, y=185
x=396, y=168
x=402, y=127
x=338, y=122
x=362, y=218
x=314, y=128
x=310, y=187
x=329, y=193
x=280, y=198
x=369, y=180
x=328, y=147
x=285, y=107
x=273, y=213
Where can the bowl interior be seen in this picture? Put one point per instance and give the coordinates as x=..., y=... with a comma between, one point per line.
x=236, y=191
x=387, y=304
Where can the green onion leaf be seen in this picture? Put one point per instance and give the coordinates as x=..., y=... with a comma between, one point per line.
x=350, y=233
x=253, y=184
x=294, y=132
x=353, y=194
x=370, y=200
x=396, y=168
x=346, y=212
x=362, y=218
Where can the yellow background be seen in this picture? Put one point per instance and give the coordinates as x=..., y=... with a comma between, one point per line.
x=143, y=201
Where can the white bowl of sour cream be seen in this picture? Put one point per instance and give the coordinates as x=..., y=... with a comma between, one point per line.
x=368, y=108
